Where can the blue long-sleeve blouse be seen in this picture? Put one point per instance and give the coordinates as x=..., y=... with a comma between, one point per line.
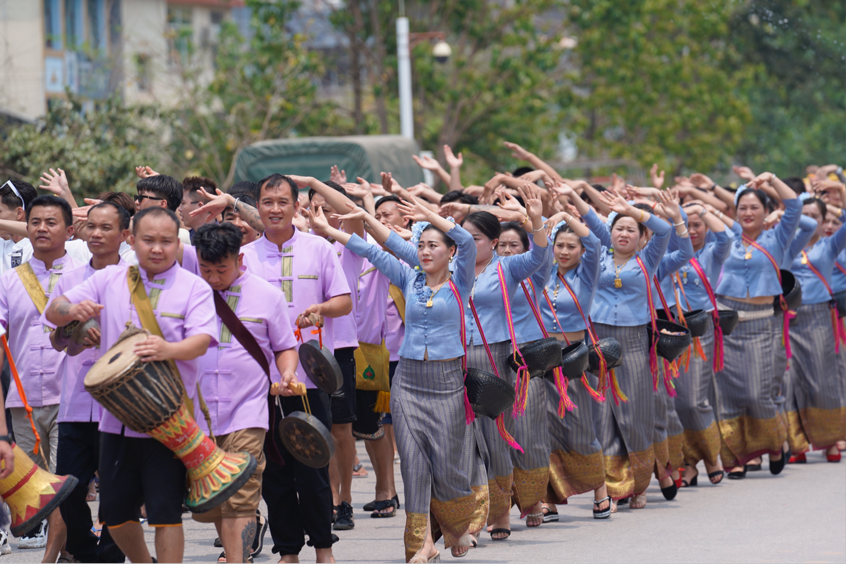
x=710, y=258
x=441, y=322
x=822, y=255
x=582, y=280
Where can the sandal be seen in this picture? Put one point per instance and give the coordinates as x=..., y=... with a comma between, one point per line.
x=385, y=504
x=506, y=532
x=670, y=491
x=96, y=531
x=222, y=558
x=737, y=474
x=372, y=505
x=359, y=471
x=718, y=474
x=434, y=558
x=549, y=516
x=533, y=516
x=637, y=499
x=454, y=555
x=602, y=513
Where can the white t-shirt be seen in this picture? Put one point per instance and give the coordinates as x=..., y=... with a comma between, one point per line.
x=78, y=250
x=14, y=254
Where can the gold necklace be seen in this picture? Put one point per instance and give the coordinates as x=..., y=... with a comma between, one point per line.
x=618, y=283
x=436, y=290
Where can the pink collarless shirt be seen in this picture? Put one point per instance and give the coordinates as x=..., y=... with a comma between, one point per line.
x=77, y=405
x=29, y=340
x=182, y=304
x=344, y=328
x=308, y=271
x=372, y=304
x=233, y=383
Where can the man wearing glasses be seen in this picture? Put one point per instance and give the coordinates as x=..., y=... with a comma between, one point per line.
x=161, y=191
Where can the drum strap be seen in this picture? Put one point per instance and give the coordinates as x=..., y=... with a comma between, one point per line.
x=237, y=328
x=399, y=300
x=141, y=301
x=32, y=286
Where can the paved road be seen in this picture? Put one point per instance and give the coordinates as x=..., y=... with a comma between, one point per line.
x=799, y=516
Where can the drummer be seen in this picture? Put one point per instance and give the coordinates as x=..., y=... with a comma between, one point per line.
x=134, y=468
x=79, y=415
x=234, y=384
x=307, y=270
x=24, y=292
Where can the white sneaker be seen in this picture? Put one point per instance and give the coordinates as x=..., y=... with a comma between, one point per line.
x=36, y=538
x=5, y=547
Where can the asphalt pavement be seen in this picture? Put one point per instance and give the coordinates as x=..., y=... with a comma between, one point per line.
x=798, y=516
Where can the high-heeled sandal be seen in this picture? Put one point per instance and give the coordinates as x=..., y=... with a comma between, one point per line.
x=670, y=491
x=737, y=474
x=715, y=474
x=602, y=513
x=776, y=466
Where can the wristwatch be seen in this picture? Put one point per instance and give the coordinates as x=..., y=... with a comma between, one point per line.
x=7, y=438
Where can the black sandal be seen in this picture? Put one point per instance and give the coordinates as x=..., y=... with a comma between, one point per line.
x=500, y=531
x=385, y=504
x=718, y=474
x=692, y=483
x=670, y=491
x=737, y=475
x=602, y=513
x=776, y=466
x=549, y=516
x=753, y=467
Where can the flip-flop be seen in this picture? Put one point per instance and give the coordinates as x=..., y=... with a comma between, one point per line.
x=500, y=531
x=359, y=471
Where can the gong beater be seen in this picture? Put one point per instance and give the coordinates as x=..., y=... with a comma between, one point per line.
x=304, y=435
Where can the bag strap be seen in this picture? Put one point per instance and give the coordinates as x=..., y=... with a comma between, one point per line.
x=534, y=306
x=469, y=414
x=817, y=273
x=32, y=286
x=399, y=300
x=840, y=268
x=522, y=383
x=484, y=340
x=832, y=304
x=650, y=304
x=240, y=332
x=715, y=315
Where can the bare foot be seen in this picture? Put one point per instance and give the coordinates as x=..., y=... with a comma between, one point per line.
x=613, y=506
x=535, y=516
x=639, y=501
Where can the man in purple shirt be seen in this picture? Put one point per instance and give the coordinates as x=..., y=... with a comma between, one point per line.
x=307, y=270
x=234, y=384
x=24, y=292
x=79, y=415
x=134, y=468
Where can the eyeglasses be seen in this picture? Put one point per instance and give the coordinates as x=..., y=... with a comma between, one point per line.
x=140, y=198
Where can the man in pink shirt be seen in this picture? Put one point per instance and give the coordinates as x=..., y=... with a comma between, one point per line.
x=24, y=292
x=79, y=415
x=234, y=384
x=136, y=469
x=307, y=270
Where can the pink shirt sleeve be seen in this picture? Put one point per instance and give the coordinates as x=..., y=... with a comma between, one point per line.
x=334, y=281
x=200, y=317
x=90, y=289
x=279, y=325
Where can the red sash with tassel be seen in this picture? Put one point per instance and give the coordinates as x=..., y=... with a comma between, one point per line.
x=835, y=326
x=788, y=315
x=561, y=381
x=521, y=386
x=670, y=368
x=715, y=315
x=500, y=420
x=697, y=346
x=653, y=349
x=469, y=414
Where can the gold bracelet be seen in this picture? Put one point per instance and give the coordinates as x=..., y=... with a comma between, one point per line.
x=642, y=216
x=468, y=209
x=524, y=221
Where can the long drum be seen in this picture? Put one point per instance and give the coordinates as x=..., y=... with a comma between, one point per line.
x=147, y=398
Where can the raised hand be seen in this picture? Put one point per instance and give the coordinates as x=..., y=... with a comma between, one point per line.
x=353, y=212
x=760, y=180
x=216, y=203
x=415, y=210
x=509, y=202
x=657, y=179
x=617, y=183
x=701, y=181
x=615, y=202
x=317, y=221
x=670, y=203
x=145, y=172
x=389, y=184
x=55, y=182
x=402, y=232
x=518, y=152
x=452, y=160
x=531, y=195
x=361, y=190
x=426, y=162
x=743, y=172
x=337, y=176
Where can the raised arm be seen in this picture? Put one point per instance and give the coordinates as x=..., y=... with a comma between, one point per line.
x=428, y=163
x=454, y=162
x=335, y=199
x=57, y=183
x=519, y=152
x=220, y=201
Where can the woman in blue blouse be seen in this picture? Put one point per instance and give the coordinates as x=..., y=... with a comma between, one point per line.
x=747, y=414
x=814, y=413
x=428, y=404
x=576, y=462
x=701, y=436
x=621, y=310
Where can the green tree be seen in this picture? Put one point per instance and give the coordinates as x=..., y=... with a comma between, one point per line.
x=652, y=82
x=97, y=147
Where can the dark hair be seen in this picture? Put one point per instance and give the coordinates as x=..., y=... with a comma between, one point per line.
x=641, y=229
x=51, y=201
x=11, y=201
x=586, y=198
x=193, y=184
x=819, y=203
x=760, y=194
x=460, y=197
x=563, y=230
x=486, y=223
x=243, y=198
x=216, y=242
x=245, y=187
x=796, y=184
x=155, y=212
x=331, y=184
x=385, y=199
x=122, y=199
x=123, y=215
x=444, y=237
x=163, y=186
x=516, y=226
x=520, y=171
x=275, y=180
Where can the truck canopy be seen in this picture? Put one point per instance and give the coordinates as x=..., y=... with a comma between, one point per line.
x=359, y=155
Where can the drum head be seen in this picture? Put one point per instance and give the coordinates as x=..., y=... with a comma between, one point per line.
x=115, y=362
x=321, y=367
x=307, y=439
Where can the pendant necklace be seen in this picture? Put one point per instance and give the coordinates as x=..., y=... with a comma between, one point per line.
x=436, y=290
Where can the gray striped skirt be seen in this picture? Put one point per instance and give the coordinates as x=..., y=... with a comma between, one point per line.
x=435, y=445
x=747, y=414
x=625, y=431
x=693, y=405
x=531, y=467
x=814, y=408
x=668, y=435
x=575, y=463
x=494, y=451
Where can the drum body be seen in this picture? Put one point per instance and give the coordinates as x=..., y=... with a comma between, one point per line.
x=147, y=398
